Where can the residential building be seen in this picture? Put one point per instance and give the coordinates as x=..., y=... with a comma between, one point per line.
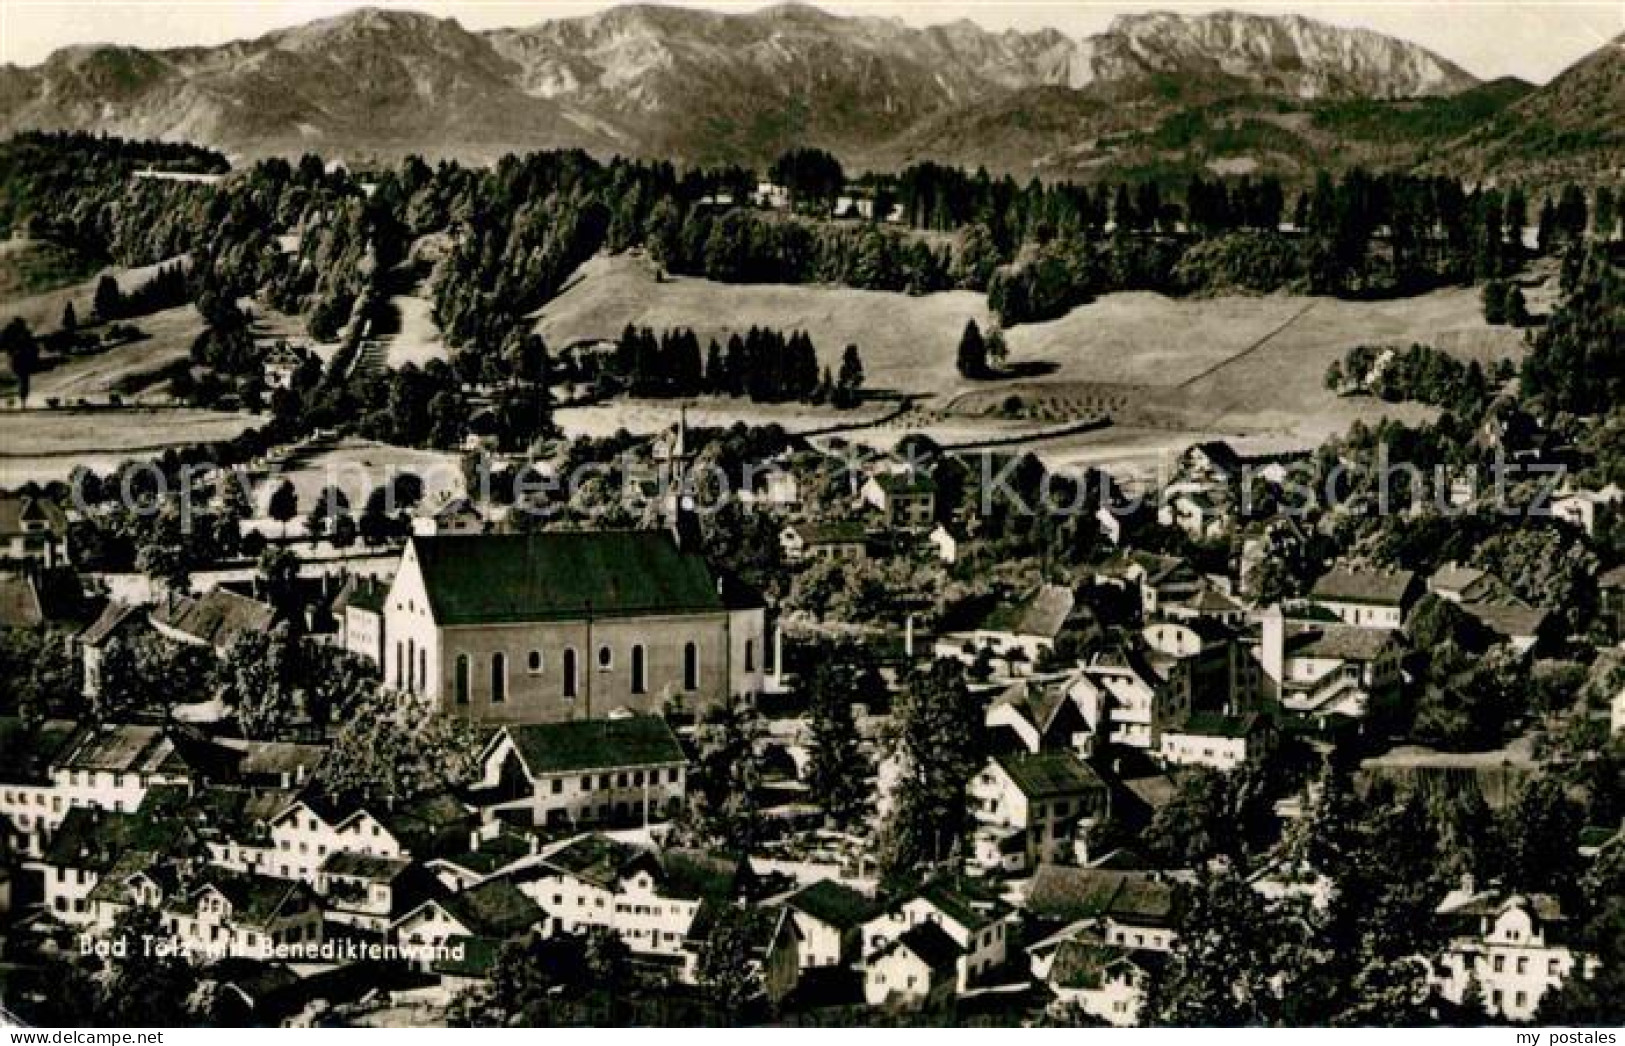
x=1017, y=634
x=33, y=530
x=1031, y=809
x=1127, y=909
x=535, y=628
x=1217, y=741
x=1582, y=507
x=359, y=612
x=621, y=770
x=1367, y=598
x=828, y=542
x=919, y=967
x=30, y=803
x=1514, y=945
x=214, y=620
x=980, y=930
x=1037, y=713
x=829, y=917
x=907, y=500
x=1127, y=698
x=452, y=516
x=117, y=621
x=494, y=910
x=1318, y=670
x=1106, y=982
x=1157, y=579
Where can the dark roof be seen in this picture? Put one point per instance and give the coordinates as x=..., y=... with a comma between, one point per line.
x=830, y=533
x=829, y=902
x=1376, y=587
x=1069, y=894
x=16, y=508
x=217, y=617
x=1508, y=620
x=1047, y=775
x=1217, y=724
x=20, y=603
x=596, y=744
x=1043, y=613
x=112, y=618
x=363, y=593
x=564, y=575
x=911, y=481
x=364, y=866
x=95, y=839
x=1343, y=642
x=596, y=859
x=496, y=908
x=932, y=944
x=255, y=899
x=702, y=875
x=468, y=956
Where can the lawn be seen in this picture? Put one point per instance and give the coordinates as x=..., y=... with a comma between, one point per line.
x=907, y=343
x=356, y=466
x=42, y=445
x=170, y=334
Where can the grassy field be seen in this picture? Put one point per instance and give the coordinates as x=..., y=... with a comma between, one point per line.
x=43, y=445
x=43, y=310
x=904, y=341
x=170, y=334
x=356, y=467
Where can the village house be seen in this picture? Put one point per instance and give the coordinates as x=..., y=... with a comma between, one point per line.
x=233, y=914
x=30, y=803
x=87, y=845
x=534, y=628
x=1157, y=579
x=652, y=899
x=1318, y=669
x=214, y=620
x=829, y=542
x=358, y=610
x=370, y=892
x=1031, y=809
x=1367, y=598
x=1462, y=584
x=1107, y=983
x=495, y=910
x=771, y=947
x=620, y=770
x=980, y=932
x=829, y=917
x=947, y=542
x=1017, y=634
x=1035, y=714
x=1514, y=945
x=33, y=531
x=281, y=365
x=1198, y=657
x=1201, y=510
x=117, y=621
x=907, y=500
x=1217, y=741
x=450, y=517
x=918, y=968
x=1125, y=909
x=33, y=599
x=1582, y=507
x=1127, y=700
x=112, y=766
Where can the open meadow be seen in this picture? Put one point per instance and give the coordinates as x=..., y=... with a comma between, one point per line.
x=45, y=445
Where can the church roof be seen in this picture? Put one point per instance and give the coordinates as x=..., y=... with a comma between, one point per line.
x=563, y=575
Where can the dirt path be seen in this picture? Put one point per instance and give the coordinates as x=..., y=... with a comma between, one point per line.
x=1250, y=349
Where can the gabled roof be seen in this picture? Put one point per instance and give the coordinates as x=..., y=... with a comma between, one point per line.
x=362, y=593
x=217, y=617
x=1388, y=588
x=113, y=617
x=832, y=903
x=1343, y=642
x=596, y=744
x=16, y=509
x=20, y=602
x=1217, y=724
x=95, y=839
x=1044, y=613
x=1050, y=775
x=1505, y=619
x=830, y=533
x=931, y=944
x=131, y=748
x=1070, y=894
x=27, y=751
x=563, y=575
x=365, y=866
x=496, y=908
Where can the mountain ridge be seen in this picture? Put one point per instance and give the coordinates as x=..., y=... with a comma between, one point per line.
x=718, y=87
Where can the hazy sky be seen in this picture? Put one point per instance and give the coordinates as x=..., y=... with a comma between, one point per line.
x=1534, y=40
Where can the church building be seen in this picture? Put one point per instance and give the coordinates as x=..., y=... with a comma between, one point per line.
x=538, y=628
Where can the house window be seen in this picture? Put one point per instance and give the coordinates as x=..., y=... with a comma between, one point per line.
x=606, y=658
x=460, y=683
x=640, y=682
x=569, y=672
x=750, y=655
x=534, y=663
x=499, y=678
x=411, y=659
x=423, y=669
x=691, y=666
x=400, y=665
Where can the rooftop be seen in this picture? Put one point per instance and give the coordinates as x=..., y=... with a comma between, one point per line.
x=1387, y=588
x=596, y=744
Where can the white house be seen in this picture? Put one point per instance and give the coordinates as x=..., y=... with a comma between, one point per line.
x=1513, y=944
x=1017, y=633
x=1367, y=598
x=829, y=917
x=980, y=930
x=627, y=770
x=918, y=967
x=1215, y=740
x=1031, y=808
x=494, y=910
x=1580, y=507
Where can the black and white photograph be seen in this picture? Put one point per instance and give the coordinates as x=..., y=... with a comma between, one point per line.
x=862, y=514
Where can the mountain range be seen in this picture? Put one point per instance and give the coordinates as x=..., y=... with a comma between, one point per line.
x=1227, y=92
